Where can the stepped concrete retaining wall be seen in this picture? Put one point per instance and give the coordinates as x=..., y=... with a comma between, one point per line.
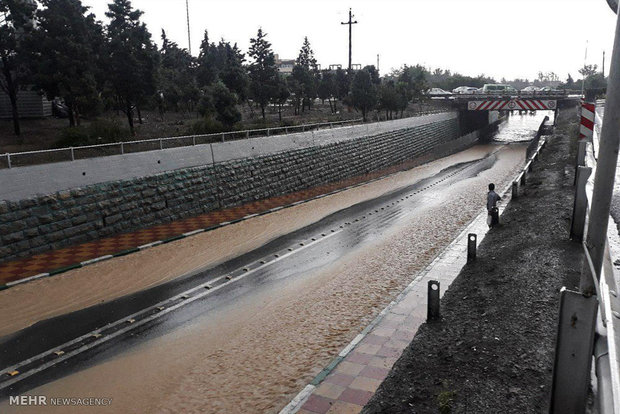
x=39, y=223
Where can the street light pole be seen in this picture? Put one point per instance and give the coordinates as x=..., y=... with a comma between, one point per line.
x=606, y=166
x=189, y=38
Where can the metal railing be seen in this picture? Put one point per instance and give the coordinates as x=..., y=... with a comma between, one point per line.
x=9, y=160
x=27, y=158
x=606, y=346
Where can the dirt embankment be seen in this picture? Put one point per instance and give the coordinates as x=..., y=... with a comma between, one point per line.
x=493, y=350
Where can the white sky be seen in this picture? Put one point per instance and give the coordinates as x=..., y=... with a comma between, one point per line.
x=510, y=38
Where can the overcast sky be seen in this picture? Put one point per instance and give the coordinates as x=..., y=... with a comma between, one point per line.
x=501, y=38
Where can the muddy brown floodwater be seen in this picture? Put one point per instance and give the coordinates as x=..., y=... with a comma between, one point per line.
x=254, y=355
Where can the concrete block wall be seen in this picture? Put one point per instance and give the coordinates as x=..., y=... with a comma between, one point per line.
x=67, y=217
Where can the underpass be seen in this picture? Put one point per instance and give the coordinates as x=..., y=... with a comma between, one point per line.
x=246, y=334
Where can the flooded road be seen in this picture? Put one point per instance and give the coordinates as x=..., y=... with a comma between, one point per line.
x=253, y=344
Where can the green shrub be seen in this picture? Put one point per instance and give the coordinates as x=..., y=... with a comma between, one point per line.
x=72, y=137
x=104, y=131
x=98, y=132
x=205, y=126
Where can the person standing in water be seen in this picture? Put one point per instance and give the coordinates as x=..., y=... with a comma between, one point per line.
x=492, y=199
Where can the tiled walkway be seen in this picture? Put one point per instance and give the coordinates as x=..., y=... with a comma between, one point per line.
x=56, y=261
x=347, y=384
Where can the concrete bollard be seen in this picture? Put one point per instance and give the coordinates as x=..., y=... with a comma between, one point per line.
x=515, y=189
x=432, y=313
x=471, y=246
x=580, y=204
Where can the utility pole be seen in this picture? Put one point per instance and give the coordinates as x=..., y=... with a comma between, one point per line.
x=350, y=23
x=189, y=38
x=377, y=63
x=603, y=64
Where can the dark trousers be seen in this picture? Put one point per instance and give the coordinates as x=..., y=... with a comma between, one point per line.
x=494, y=213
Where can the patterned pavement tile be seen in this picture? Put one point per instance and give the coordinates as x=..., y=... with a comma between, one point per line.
x=341, y=407
x=318, y=404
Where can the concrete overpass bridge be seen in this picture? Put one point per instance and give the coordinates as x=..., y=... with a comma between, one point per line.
x=503, y=101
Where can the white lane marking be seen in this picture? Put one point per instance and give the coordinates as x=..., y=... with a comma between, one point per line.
x=28, y=279
x=96, y=259
x=138, y=323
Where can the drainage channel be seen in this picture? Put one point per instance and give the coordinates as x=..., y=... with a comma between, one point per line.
x=382, y=214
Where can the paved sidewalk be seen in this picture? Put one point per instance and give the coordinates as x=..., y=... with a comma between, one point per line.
x=61, y=260
x=352, y=378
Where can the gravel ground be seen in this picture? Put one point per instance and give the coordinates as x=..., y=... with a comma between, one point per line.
x=493, y=350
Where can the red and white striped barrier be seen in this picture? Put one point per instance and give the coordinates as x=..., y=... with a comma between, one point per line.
x=518, y=104
x=586, y=129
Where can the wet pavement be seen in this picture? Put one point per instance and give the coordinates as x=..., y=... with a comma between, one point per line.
x=246, y=335
x=313, y=247
x=351, y=379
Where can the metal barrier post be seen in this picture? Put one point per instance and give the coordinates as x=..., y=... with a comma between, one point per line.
x=267, y=131
x=8, y=159
x=222, y=137
x=72, y=155
x=122, y=148
x=515, y=189
x=433, y=313
x=581, y=153
x=580, y=205
x=573, y=352
x=471, y=246
x=247, y=134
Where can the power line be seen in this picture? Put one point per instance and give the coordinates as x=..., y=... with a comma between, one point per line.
x=350, y=23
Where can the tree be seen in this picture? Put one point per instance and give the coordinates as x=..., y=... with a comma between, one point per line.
x=281, y=96
x=374, y=74
x=206, y=73
x=363, y=92
x=132, y=59
x=176, y=76
x=413, y=79
x=305, y=73
x=595, y=81
x=233, y=73
x=66, y=50
x=388, y=99
x=343, y=85
x=327, y=88
x=263, y=71
x=18, y=24
x=588, y=70
x=225, y=103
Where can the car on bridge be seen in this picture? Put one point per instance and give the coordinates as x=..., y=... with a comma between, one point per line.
x=465, y=90
x=498, y=89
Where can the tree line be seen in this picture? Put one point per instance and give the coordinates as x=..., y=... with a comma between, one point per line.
x=59, y=48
